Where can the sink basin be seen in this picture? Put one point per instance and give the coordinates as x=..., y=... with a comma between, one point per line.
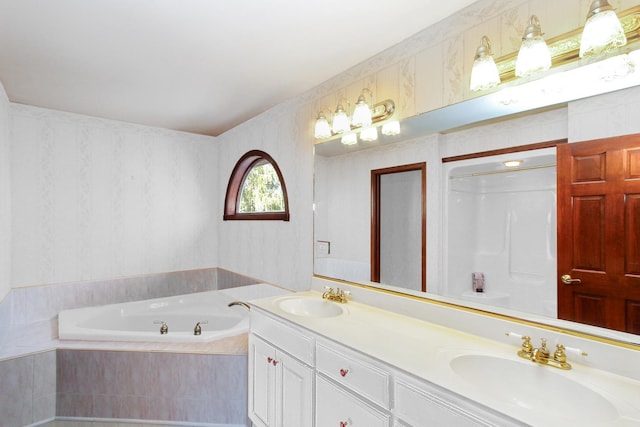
x=535, y=388
x=310, y=307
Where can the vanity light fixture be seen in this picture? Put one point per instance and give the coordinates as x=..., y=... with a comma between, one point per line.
x=512, y=163
x=322, y=128
x=534, y=55
x=602, y=32
x=369, y=134
x=349, y=139
x=362, y=111
x=484, y=74
x=377, y=115
x=341, y=122
x=391, y=128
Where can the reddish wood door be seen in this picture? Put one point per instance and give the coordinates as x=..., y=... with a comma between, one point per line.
x=599, y=232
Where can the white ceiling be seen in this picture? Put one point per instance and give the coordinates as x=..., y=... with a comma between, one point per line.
x=201, y=66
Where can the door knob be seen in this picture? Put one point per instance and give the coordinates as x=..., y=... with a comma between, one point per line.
x=567, y=280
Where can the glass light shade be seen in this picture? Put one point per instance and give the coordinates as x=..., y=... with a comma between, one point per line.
x=322, y=130
x=349, y=139
x=391, y=128
x=484, y=74
x=602, y=32
x=534, y=55
x=340, y=121
x=361, y=113
x=369, y=134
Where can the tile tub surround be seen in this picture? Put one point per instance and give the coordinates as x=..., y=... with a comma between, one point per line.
x=29, y=335
x=31, y=313
x=28, y=389
x=196, y=388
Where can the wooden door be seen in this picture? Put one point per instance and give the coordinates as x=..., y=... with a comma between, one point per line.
x=599, y=232
x=399, y=225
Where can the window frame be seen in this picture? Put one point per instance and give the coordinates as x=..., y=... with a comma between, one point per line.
x=234, y=189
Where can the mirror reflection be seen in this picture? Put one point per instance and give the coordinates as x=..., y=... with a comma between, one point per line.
x=501, y=227
x=485, y=220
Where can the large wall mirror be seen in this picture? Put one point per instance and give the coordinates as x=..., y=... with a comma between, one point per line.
x=489, y=225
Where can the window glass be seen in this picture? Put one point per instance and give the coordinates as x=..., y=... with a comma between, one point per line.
x=261, y=190
x=256, y=190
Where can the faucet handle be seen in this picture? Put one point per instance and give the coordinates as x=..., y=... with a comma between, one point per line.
x=164, y=329
x=559, y=355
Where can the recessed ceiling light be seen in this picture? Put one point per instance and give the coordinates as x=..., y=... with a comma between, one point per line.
x=512, y=163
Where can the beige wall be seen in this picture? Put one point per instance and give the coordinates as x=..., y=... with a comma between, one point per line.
x=432, y=69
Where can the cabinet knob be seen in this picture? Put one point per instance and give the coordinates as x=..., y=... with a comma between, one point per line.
x=269, y=360
x=275, y=362
x=343, y=373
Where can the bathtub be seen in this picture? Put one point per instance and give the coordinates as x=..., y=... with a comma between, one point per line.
x=142, y=320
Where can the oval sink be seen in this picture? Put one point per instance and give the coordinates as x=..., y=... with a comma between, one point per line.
x=310, y=307
x=535, y=388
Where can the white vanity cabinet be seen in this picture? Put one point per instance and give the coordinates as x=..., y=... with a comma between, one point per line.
x=419, y=403
x=298, y=378
x=280, y=374
x=351, y=389
x=337, y=407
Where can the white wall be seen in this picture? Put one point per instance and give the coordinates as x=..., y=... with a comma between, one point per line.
x=613, y=114
x=279, y=252
x=503, y=225
x=5, y=197
x=95, y=199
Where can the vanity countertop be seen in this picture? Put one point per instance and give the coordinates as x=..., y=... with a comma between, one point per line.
x=429, y=351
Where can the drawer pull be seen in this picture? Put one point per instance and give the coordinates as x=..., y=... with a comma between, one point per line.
x=269, y=360
x=344, y=372
x=275, y=362
x=345, y=423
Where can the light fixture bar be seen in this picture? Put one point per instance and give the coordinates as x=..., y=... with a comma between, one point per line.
x=565, y=48
x=381, y=111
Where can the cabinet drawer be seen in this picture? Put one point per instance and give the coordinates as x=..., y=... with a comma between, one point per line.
x=416, y=406
x=292, y=340
x=336, y=407
x=354, y=372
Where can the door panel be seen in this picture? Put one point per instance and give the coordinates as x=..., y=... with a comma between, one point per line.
x=599, y=232
x=632, y=234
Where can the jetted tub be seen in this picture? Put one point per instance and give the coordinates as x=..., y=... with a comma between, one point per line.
x=142, y=320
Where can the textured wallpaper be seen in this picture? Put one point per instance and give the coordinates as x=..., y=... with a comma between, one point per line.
x=5, y=197
x=96, y=199
x=279, y=252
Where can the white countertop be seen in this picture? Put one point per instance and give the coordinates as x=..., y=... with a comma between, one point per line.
x=426, y=350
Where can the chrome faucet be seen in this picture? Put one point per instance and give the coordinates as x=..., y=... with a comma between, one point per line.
x=337, y=295
x=244, y=304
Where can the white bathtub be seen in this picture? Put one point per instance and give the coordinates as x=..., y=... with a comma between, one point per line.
x=142, y=320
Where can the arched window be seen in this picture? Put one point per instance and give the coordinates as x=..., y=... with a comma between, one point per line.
x=256, y=190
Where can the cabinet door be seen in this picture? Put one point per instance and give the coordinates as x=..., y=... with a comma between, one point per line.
x=294, y=390
x=336, y=407
x=262, y=382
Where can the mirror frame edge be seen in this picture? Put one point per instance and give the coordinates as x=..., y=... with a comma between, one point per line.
x=500, y=316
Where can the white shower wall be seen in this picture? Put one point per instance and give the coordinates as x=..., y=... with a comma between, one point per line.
x=504, y=226
x=95, y=199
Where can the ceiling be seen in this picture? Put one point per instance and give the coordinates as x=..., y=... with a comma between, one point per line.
x=201, y=66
